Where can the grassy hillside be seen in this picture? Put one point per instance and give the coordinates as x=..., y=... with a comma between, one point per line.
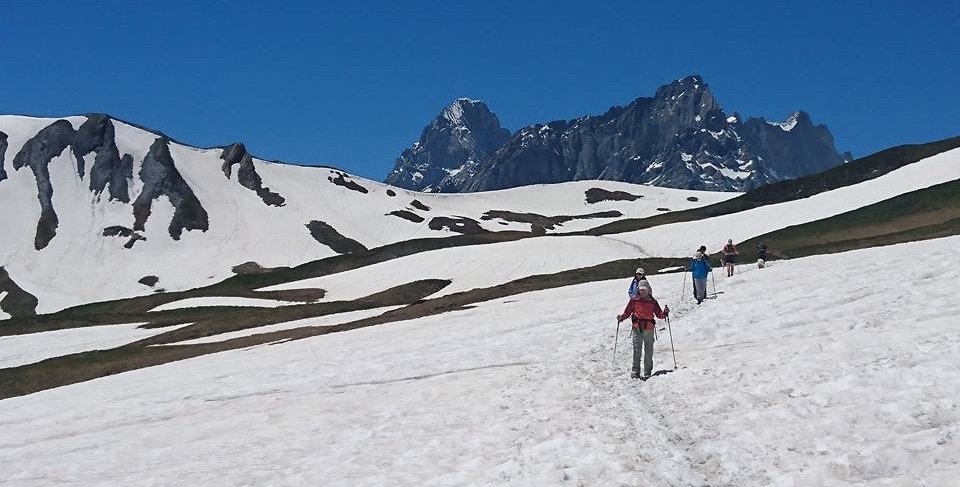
x=927, y=213
x=858, y=171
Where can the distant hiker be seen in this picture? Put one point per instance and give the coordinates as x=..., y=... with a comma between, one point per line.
x=638, y=277
x=642, y=310
x=699, y=269
x=762, y=255
x=729, y=257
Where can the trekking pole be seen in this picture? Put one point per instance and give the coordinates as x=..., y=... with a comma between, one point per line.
x=683, y=290
x=616, y=337
x=670, y=331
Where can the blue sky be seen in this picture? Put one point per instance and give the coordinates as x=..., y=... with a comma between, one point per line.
x=353, y=83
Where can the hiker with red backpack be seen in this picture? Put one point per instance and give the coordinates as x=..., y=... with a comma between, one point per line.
x=642, y=309
x=730, y=257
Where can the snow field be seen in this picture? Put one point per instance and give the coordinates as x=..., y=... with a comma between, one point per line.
x=242, y=227
x=328, y=320
x=830, y=370
x=223, y=301
x=675, y=239
x=26, y=349
x=471, y=267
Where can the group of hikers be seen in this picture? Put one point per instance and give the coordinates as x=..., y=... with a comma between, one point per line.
x=643, y=309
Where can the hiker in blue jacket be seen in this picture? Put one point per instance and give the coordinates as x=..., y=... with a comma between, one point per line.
x=635, y=284
x=699, y=268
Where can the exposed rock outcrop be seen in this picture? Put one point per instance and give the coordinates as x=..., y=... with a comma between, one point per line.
x=37, y=154
x=247, y=174
x=16, y=302
x=681, y=138
x=161, y=178
x=3, y=153
x=450, y=148
x=324, y=233
x=97, y=134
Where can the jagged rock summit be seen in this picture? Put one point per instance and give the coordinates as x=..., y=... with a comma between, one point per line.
x=679, y=138
x=450, y=147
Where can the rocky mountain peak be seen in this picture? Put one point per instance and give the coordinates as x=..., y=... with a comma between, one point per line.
x=681, y=137
x=462, y=134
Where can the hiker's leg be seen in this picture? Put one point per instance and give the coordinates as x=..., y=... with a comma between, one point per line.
x=648, y=338
x=700, y=288
x=637, y=349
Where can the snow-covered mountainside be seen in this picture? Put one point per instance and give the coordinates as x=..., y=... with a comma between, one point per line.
x=817, y=371
x=680, y=138
x=96, y=209
x=289, y=325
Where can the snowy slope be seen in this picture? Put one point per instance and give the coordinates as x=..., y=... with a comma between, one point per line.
x=471, y=267
x=680, y=239
x=817, y=371
x=242, y=228
x=26, y=349
x=489, y=265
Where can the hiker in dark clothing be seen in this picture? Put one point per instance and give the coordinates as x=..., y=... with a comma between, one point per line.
x=762, y=255
x=730, y=257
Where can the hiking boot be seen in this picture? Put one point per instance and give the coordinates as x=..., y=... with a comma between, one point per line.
x=634, y=375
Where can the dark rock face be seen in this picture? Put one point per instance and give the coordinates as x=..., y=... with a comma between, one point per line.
x=247, y=174
x=251, y=267
x=458, y=224
x=161, y=178
x=3, y=153
x=791, y=148
x=149, y=281
x=596, y=195
x=324, y=233
x=450, y=148
x=37, y=153
x=539, y=224
x=17, y=302
x=419, y=205
x=344, y=180
x=121, y=231
x=117, y=231
x=407, y=215
x=681, y=138
x=97, y=134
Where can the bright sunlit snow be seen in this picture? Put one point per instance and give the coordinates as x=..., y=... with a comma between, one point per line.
x=832, y=370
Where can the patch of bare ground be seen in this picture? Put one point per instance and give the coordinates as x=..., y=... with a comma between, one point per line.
x=251, y=267
x=419, y=205
x=858, y=171
x=539, y=224
x=343, y=180
x=596, y=195
x=324, y=233
x=459, y=224
x=926, y=213
x=407, y=215
x=17, y=302
x=84, y=366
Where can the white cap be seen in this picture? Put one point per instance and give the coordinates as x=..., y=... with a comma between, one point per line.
x=640, y=270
